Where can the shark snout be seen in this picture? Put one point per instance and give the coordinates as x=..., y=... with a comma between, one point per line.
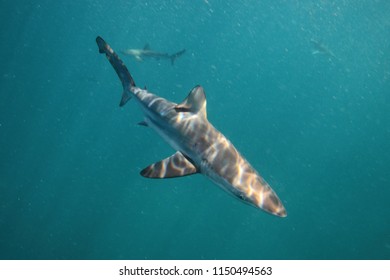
x=281, y=212
x=273, y=205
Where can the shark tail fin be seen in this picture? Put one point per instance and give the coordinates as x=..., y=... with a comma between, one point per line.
x=120, y=69
x=126, y=96
x=176, y=55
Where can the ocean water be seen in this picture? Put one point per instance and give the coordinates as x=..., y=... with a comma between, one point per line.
x=316, y=126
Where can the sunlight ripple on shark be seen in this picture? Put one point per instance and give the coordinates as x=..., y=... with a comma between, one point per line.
x=200, y=147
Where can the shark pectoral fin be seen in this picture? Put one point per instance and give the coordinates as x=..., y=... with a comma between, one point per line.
x=176, y=165
x=194, y=103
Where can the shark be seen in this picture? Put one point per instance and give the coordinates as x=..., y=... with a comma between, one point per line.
x=146, y=52
x=200, y=147
x=320, y=48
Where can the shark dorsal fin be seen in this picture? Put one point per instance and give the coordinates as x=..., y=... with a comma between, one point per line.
x=194, y=103
x=176, y=165
x=146, y=47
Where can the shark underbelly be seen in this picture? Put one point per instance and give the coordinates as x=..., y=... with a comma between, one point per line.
x=167, y=133
x=226, y=167
x=172, y=131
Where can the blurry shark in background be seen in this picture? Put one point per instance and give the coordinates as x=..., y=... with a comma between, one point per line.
x=199, y=146
x=146, y=52
x=320, y=48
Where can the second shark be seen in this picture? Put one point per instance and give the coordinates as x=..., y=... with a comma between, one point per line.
x=146, y=52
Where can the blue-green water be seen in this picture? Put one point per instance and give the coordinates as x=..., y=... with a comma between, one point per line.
x=317, y=128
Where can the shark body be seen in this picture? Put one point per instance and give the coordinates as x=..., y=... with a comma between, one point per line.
x=320, y=48
x=200, y=147
x=146, y=52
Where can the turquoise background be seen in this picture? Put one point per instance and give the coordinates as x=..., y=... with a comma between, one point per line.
x=316, y=128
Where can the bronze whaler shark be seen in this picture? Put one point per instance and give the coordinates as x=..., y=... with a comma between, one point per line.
x=146, y=52
x=320, y=48
x=200, y=147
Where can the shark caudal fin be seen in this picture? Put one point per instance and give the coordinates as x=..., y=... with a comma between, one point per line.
x=120, y=69
x=176, y=55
